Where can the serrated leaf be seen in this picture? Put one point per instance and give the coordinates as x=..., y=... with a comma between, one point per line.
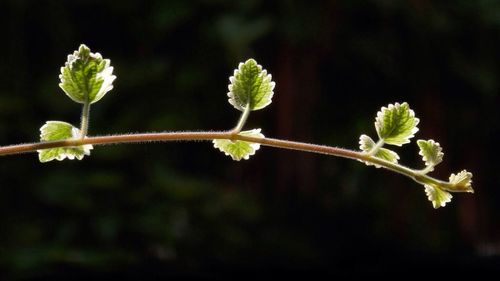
x=58, y=130
x=250, y=85
x=396, y=124
x=437, y=196
x=366, y=144
x=431, y=152
x=462, y=181
x=239, y=149
x=86, y=77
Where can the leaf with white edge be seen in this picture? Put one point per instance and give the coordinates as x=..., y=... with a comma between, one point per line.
x=437, y=196
x=58, y=130
x=431, y=152
x=396, y=124
x=462, y=181
x=250, y=86
x=239, y=149
x=86, y=77
x=366, y=144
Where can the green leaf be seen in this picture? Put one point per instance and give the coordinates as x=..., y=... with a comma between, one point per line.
x=86, y=77
x=366, y=144
x=437, y=196
x=58, y=130
x=462, y=181
x=396, y=124
x=250, y=85
x=431, y=152
x=239, y=149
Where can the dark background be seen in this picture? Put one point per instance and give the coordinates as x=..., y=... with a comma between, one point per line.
x=186, y=210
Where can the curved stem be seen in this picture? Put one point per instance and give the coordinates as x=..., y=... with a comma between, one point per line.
x=426, y=170
x=211, y=135
x=84, y=123
x=243, y=120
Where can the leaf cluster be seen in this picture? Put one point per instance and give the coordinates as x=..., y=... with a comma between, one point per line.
x=86, y=77
x=396, y=124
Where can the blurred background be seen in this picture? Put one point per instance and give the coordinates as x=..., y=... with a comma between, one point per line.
x=185, y=209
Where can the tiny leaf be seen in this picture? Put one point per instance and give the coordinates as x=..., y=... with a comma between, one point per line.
x=396, y=124
x=250, y=85
x=239, y=149
x=462, y=181
x=431, y=153
x=58, y=130
x=437, y=196
x=366, y=144
x=86, y=77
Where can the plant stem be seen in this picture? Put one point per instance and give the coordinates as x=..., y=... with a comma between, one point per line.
x=243, y=120
x=426, y=170
x=376, y=147
x=211, y=135
x=84, y=123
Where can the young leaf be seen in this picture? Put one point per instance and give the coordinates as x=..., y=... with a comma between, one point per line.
x=239, y=149
x=58, y=130
x=250, y=85
x=462, y=181
x=366, y=144
x=396, y=124
x=431, y=153
x=437, y=196
x=86, y=77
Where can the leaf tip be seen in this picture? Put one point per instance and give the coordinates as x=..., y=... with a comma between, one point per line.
x=431, y=152
x=462, y=181
x=86, y=76
x=250, y=85
x=437, y=196
x=396, y=124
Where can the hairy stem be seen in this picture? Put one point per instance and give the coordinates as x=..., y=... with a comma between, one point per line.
x=84, y=123
x=211, y=135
